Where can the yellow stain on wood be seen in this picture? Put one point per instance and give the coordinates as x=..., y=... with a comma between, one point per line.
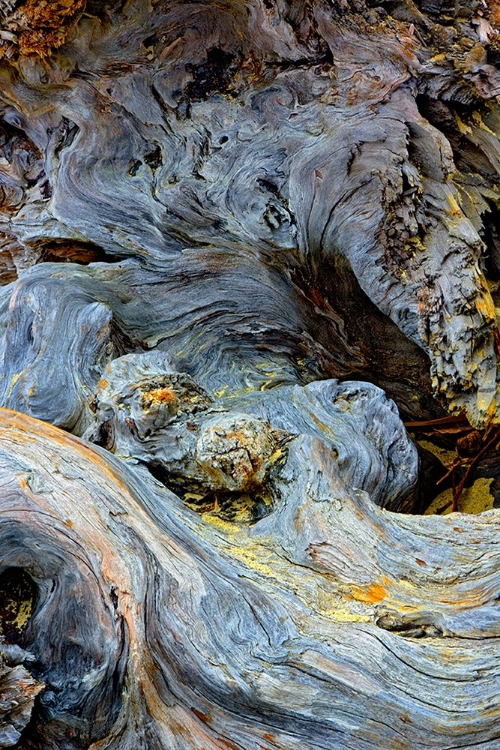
x=277, y=455
x=484, y=402
x=408, y=585
x=441, y=57
x=218, y=523
x=319, y=424
x=333, y=604
x=336, y=607
x=492, y=417
x=254, y=555
x=454, y=207
x=24, y=614
x=343, y=615
x=447, y=457
x=16, y=604
x=486, y=306
x=462, y=126
x=12, y=383
x=193, y=496
x=478, y=120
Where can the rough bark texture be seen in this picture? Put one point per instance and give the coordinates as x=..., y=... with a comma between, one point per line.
x=239, y=241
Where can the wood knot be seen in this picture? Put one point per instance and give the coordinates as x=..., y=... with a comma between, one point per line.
x=238, y=451
x=158, y=396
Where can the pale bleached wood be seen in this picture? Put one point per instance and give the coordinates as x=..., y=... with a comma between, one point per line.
x=220, y=223
x=330, y=623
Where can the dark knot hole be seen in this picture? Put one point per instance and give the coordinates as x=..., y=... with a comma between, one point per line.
x=18, y=598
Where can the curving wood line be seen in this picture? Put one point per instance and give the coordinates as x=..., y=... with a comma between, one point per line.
x=329, y=622
x=225, y=222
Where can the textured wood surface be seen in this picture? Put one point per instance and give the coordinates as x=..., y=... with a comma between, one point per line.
x=239, y=242
x=329, y=623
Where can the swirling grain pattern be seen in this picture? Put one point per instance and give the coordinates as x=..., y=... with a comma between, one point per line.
x=237, y=240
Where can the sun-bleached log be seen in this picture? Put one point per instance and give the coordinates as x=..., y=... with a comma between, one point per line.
x=240, y=242
x=241, y=151
x=329, y=623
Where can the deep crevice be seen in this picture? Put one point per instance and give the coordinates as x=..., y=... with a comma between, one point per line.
x=73, y=251
x=242, y=507
x=363, y=343
x=18, y=599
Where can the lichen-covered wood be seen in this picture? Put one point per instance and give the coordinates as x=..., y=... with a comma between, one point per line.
x=329, y=623
x=240, y=242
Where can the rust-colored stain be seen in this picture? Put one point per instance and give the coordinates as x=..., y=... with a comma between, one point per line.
x=226, y=745
x=159, y=396
x=205, y=718
x=494, y=8
x=420, y=562
x=317, y=297
x=42, y=25
x=371, y=594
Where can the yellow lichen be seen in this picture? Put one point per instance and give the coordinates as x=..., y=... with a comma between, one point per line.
x=17, y=598
x=334, y=602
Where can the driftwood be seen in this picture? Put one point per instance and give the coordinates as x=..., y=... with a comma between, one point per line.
x=240, y=243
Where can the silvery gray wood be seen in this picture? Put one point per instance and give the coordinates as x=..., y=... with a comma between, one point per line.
x=238, y=241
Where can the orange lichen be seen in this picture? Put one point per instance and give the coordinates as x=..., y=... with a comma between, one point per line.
x=42, y=25
x=372, y=594
x=158, y=396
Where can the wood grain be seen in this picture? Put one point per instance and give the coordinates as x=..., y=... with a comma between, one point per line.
x=238, y=242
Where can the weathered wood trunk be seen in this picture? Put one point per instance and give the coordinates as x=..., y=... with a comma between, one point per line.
x=240, y=242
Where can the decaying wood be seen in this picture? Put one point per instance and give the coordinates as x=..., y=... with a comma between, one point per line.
x=18, y=690
x=239, y=242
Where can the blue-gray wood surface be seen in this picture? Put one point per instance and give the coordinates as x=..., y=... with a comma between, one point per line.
x=239, y=242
